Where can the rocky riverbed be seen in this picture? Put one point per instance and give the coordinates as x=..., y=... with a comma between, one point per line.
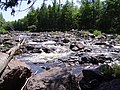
x=69, y=57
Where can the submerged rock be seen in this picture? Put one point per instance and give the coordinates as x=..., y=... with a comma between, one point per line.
x=65, y=40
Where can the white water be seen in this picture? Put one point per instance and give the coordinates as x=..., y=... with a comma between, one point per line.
x=60, y=51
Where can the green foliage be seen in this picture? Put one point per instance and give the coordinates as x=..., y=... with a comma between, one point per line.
x=3, y=31
x=116, y=68
x=85, y=33
x=118, y=37
x=97, y=32
x=106, y=69
x=91, y=15
x=67, y=16
x=2, y=21
x=32, y=28
x=31, y=17
x=110, y=70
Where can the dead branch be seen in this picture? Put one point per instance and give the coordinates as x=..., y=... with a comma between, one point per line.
x=8, y=57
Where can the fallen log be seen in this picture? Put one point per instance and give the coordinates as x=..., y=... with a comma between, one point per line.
x=6, y=58
x=13, y=50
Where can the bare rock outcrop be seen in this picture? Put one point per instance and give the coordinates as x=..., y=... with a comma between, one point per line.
x=53, y=79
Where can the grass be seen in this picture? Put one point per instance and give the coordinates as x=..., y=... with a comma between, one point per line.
x=97, y=32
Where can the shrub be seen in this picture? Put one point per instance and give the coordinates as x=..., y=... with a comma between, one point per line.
x=118, y=37
x=32, y=28
x=86, y=32
x=110, y=70
x=116, y=68
x=3, y=31
x=97, y=32
x=106, y=69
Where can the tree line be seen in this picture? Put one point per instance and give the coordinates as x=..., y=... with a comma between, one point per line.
x=90, y=15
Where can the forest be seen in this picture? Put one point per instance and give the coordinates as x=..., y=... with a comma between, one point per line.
x=90, y=15
x=61, y=46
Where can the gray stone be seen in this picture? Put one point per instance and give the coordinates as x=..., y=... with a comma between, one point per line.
x=53, y=79
x=76, y=46
x=112, y=85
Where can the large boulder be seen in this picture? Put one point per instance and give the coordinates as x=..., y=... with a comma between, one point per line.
x=15, y=79
x=90, y=80
x=14, y=75
x=53, y=79
x=30, y=47
x=94, y=77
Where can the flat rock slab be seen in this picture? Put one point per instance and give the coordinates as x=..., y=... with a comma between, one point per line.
x=53, y=79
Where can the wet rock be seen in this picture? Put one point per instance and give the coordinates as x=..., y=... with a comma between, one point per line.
x=107, y=72
x=80, y=45
x=93, y=74
x=6, y=39
x=76, y=46
x=112, y=85
x=36, y=50
x=65, y=40
x=90, y=80
x=85, y=59
x=30, y=47
x=102, y=58
x=48, y=50
x=101, y=37
x=1, y=41
x=100, y=43
x=87, y=50
x=112, y=42
x=92, y=36
x=89, y=59
x=4, y=49
x=10, y=42
x=96, y=59
x=53, y=79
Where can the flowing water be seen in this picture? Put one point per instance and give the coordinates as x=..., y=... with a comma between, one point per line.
x=43, y=61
